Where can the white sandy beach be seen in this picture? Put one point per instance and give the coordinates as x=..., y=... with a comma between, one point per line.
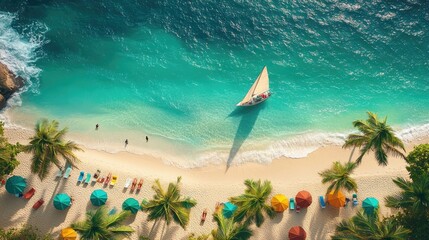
x=207, y=185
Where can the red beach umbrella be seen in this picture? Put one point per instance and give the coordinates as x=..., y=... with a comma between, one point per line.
x=297, y=233
x=303, y=199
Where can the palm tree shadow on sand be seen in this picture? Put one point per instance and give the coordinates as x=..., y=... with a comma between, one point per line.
x=248, y=115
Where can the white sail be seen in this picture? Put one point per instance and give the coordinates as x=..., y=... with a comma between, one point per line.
x=261, y=85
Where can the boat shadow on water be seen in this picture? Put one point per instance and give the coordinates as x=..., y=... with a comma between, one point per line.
x=248, y=115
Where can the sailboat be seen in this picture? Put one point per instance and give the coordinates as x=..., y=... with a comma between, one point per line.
x=259, y=92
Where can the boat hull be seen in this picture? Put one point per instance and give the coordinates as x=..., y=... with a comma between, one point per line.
x=253, y=103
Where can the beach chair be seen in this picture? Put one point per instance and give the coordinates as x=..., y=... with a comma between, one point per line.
x=133, y=186
x=88, y=178
x=139, y=186
x=96, y=175
x=29, y=194
x=127, y=183
x=203, y=216
x=113, y=211
x=322, y=202
x=80, y=178
x=59, y=173
x=298, y=208
x=67, y=173
x=38, y=204
x=292, y=204
x=355, y=201
x=114, y=180
x=109, y=176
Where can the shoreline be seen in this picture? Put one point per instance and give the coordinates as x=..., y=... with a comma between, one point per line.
x=207, y=185
x=182, y=155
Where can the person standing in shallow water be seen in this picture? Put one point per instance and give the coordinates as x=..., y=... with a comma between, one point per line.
x=147, y=139
x=96, y=126
x=126, y=142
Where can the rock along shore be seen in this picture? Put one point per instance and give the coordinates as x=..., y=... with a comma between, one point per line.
x=9, y=84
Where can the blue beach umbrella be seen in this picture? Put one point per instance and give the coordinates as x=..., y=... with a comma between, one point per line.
x=16, y=185
x=369, y=205
x=228, y=209
x=131, y=205
x=62, y=201
x=98, y=197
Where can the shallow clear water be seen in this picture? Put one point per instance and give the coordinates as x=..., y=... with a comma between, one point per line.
x=174, y=70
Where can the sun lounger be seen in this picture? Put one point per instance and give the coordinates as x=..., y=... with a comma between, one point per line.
x=80, y=178
x=109, y=176
x=298, y=208
x=127, y=183
x=139, y=186
x=96, y=175
x=114, y=179
x=100, y=180
x=59, y=173
x=67, y=173
x=355, y=201
x=133, y=186
x=203, y=216
x=38, y=204
x=88, y=178
x=322, y=202
x=292, y=204
x=112, y=211
x=29, y=194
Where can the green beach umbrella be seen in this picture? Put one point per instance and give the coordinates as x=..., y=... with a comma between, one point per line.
x=16, y=185
x=131, y=205
x=369, y=205
x=98, y=197
x=228, y=209
x=62, y=201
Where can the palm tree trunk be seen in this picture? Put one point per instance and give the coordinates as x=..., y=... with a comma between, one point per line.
x=351, y=154
x=163, y=230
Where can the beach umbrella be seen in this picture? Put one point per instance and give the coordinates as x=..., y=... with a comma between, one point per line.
x=280, y=203
x=62, y=201
x=297, y=233
x=336, y=199
x=68, y=234
x=303, y=199
x=98, y=197
x=228, y=209
x=369, y=205
x=131, y=205
x=16, y=185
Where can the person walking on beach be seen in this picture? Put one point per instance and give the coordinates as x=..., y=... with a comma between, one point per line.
x=96, y=126
x=147, y=139
x=126, y=142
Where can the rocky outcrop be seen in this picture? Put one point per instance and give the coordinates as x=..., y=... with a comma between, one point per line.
x=9, y=83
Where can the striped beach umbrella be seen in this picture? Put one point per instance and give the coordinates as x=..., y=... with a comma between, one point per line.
x=62, y=201
x=336, y=199
x=131, y=205
x=297, y=233
x=68, y=234
x=16, y=185
x=228, y=209
x=280, y=203
x=98, y=197
x=369, y=205
x=303, y=199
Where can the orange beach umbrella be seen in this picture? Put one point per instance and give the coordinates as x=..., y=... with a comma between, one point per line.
x=336, y=199
x=303, y=199
x=297, y=233
x=279, y=203
x=68, y=234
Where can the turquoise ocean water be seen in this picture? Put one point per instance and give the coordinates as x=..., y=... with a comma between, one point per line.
x=174, y=70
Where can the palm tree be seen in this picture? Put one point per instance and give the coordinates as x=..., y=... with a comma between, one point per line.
x=228, y=230
x=376, y=136
x=169, y=205
x=339, y=177
x=413, y=197
x=369, y=227
x=99, y=225
x=48, y=146
x=252, y=204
